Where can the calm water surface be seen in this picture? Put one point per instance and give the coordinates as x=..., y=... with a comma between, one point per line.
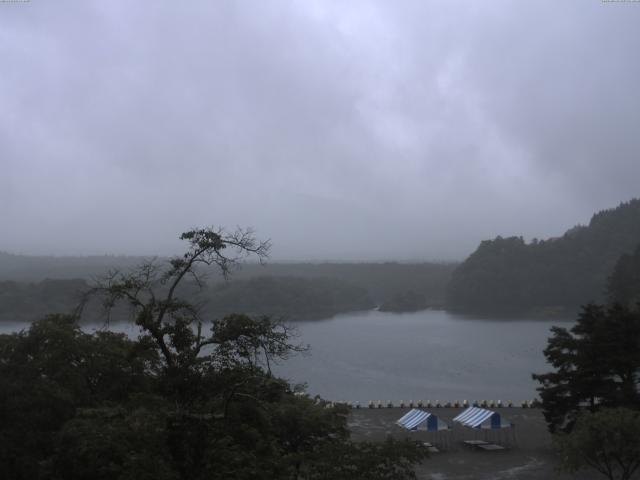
x=429, y=355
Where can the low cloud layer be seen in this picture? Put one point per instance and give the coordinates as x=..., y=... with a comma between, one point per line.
x=340, y=130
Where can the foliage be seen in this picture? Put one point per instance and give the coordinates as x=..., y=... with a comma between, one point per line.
x=52, y=370
x=607, y=441
x=507, y=274
x=177, y=403
x=380, y=280
x=389, y=460
x=28, y=301
x=596, y=364
x=106, y=443
x=297, y=298
x=293, y=297
x=624, y=283
x=297, y=291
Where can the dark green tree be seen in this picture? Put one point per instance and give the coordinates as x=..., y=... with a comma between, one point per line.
x=624, y=282
x=554, y=275
x=114, y=442
x=596, y=364
x=50, y=373
x=389, y=460
x=188, y=399
x=607, y=441
x=224, y=414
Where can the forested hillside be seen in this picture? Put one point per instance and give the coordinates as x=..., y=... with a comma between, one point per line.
x=554, y=275
x=21, y=301
x=624, y=283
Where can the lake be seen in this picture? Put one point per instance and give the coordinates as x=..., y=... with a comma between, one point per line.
x=428, y=355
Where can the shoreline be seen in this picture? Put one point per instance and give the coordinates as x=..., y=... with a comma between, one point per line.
x=530, y=457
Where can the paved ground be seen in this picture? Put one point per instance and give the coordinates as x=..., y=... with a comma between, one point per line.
x=528, y=456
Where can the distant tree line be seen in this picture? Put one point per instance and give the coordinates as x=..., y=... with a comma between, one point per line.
x=381, y=280
x=508, y=274
x=294, y=298
x=28, y=301
x=294, y=291
x=290, y=297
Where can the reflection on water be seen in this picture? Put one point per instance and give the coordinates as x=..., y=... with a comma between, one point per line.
x=429, y=355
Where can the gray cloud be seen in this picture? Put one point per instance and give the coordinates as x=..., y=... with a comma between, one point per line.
x=366, y=130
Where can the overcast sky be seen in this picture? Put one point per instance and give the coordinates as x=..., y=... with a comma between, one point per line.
x=340, y=130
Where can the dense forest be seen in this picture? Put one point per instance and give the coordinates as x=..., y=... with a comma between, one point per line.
x=381, y=280
x=31, y=287
x=292, y=298
x=548, y=276
x=21, y=301
x=624, y=283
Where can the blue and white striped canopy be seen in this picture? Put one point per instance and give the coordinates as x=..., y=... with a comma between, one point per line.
x=420, y=420
x=476, y=417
